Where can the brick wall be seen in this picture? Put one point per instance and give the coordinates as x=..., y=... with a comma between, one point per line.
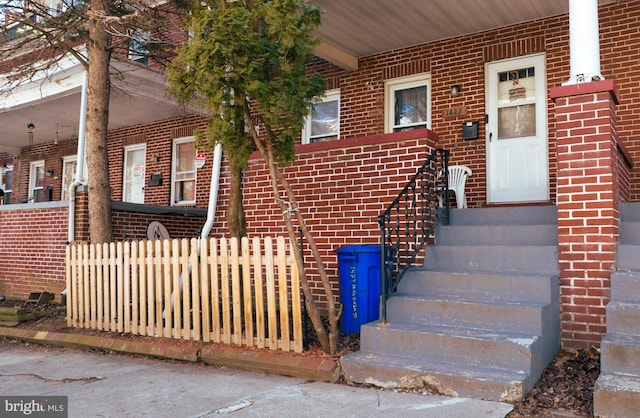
x=341, y=187
x=32, y=251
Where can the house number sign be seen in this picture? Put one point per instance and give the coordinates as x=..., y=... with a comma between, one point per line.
x=454, y=112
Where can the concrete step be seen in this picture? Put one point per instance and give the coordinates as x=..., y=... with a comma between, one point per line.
x=493, y=259
x=544, y=234
x=623, y=318
x=454, y=344
x=515, y=215
x=630, y=211
x=627, y=257
x=481, y=286
x=625, y=286
x=619, y=354
x=449, y=379
x=630, y=233
x=616, y=395
x=497, y=316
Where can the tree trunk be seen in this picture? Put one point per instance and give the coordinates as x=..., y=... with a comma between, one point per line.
x=289, y=209
x=235, y=212
x=97, y=125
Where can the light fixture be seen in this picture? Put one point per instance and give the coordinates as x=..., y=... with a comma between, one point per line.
x=30, y=127
x=455, y=90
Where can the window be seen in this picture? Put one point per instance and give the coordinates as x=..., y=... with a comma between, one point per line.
x=323, y=124
x=407, y=103
x=36, y=181
x=183, y=173
x=138, y=50
x=69, y=165
x=133, y=176
x=6, y=182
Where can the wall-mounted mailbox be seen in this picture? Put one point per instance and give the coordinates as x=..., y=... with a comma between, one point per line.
x=470, y=130
x=156, y=179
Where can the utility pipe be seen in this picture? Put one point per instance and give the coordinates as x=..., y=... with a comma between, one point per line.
x=213, y=191
x=80, y=160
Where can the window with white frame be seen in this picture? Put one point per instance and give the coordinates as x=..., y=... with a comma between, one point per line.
x=69, y=165
x=6, y=183
x=323, y=124
x=36, y=181
x=183, y=172
x=407, y=103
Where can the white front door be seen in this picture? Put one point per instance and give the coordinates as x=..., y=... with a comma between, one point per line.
x=134, y=168
x=517, y=150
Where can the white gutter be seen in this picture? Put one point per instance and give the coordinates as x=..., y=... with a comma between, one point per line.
x=80, y=161
x=213, y=191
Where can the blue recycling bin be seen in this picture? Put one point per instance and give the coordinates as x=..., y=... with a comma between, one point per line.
x=359, y=271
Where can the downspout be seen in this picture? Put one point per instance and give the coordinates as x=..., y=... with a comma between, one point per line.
x=80, y=159
x=213, y=191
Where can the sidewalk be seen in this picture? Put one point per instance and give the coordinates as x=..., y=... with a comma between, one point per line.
x=307, y=368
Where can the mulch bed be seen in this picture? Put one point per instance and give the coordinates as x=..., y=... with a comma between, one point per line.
x=564, y=390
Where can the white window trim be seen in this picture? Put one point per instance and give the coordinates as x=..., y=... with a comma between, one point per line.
x=402, y=83
x=64, y=194
x=32, y=179
x=330, y=95
x=176, y=142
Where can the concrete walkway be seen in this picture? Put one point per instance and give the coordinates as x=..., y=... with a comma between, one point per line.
x=269, y=384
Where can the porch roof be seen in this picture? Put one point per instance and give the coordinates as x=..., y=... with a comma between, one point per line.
x=52, y=104
x=356, y=29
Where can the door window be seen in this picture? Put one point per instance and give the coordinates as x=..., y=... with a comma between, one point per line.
x=516, y=103
x=6, y=183
x=36, y=181
x=134, y=173
x=69, y=164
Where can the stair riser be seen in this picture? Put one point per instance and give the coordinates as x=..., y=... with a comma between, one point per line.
x=630, y=233
x=625, y=286
x=542, y=289
x=497, y=235
x=506, y=216
x=439, y=383
x=623, y=318
x=615, y=401
x=516, y=318
x=514, y=355
x=627, y=257
x=494, y=259
x=630, y=211
x=619, y=358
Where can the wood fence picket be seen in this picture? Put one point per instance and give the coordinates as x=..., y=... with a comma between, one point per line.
x=243, y=292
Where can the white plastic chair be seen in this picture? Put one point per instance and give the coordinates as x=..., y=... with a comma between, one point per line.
x=457, y=179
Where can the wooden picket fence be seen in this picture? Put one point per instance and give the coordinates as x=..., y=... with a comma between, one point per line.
x=212, y=290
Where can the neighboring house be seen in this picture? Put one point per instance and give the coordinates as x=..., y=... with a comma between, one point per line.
x=402, y=79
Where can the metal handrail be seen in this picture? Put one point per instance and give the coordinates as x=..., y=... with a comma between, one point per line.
x=410, y=222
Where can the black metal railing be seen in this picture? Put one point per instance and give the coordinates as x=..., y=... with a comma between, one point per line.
x=410, y=222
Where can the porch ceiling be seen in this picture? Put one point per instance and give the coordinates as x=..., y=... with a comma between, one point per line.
x=356, y=29
x=138, y=95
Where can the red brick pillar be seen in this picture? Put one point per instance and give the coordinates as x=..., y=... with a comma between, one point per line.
x=588, y=206
x=82, y=214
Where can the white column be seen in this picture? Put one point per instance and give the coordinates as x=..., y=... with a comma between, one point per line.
x=584, y=41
